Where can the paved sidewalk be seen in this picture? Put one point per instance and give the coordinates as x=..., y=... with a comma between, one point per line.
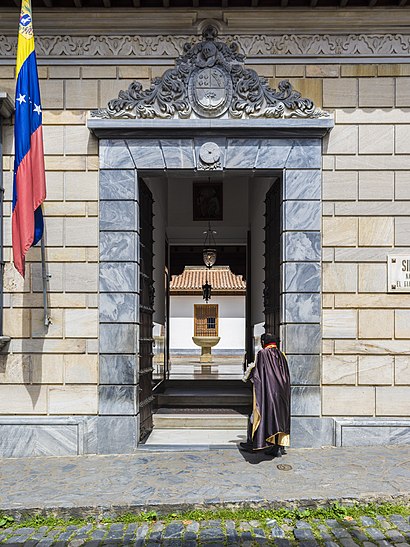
x=166, y=481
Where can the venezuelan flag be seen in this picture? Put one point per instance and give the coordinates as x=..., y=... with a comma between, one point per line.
x=29, y=184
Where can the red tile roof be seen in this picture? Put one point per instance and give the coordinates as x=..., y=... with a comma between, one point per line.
x=220, y=278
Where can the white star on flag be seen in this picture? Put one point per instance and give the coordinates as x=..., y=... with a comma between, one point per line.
x=37, y=108
x=21, y=99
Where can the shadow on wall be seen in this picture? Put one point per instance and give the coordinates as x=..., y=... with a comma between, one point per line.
x=33, y=347
x=24, y=323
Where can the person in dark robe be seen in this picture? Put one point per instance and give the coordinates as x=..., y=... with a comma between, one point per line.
x=269, y=422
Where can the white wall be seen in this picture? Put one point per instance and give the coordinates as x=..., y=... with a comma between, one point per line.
x=231, y=322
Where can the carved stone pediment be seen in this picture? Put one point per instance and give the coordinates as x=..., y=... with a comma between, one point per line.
x=210, y=81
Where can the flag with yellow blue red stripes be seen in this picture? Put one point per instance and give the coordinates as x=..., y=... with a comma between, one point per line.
x=29, y=184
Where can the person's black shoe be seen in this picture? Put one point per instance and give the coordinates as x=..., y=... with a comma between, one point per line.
x=246, y=447
x=274, y=451
x=283, y=450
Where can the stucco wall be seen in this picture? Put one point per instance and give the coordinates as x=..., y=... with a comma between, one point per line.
x=366, y=181
x=231, y=317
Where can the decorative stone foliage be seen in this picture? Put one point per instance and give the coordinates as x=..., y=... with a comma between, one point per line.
x=209, y=81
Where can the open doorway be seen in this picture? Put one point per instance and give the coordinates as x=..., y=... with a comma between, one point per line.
x=195, y=401
x=220, y=321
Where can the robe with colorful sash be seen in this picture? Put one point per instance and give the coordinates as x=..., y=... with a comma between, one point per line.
x=270, y=419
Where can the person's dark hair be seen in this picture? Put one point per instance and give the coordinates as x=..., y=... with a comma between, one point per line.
x=269, y=338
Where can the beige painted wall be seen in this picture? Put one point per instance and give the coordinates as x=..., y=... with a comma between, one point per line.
x=366, y=193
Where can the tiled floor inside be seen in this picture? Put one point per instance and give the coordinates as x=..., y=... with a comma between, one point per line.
x=222, y=367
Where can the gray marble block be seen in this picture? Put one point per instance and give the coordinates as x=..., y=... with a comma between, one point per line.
x=119, y=308
x=305, y=401
x=118, y=369
x=119, y=276
x=146, y=153
x=302, y=215
x=273, y=153
x=90, y=440
x=305, y=154
x=367, y=435
x=302, y=246
x=119, y=215
x=301, y=276
x=289, y=153
x=178, y=153
x=304, y=369
x=311, y=432
x=114, y=154
x=117, y=434
x=117, y=400
x=302, y=184
x=302, y=307
x=241, y=153
x=303, y=339
x=119, y=246
x=29, y=440
x=117, y=184
x=118, y=338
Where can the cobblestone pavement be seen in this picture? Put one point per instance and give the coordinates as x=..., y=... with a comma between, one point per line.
x=90, y=485
x=367, y=532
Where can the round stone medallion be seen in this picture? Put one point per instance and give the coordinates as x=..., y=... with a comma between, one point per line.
x=209, y=153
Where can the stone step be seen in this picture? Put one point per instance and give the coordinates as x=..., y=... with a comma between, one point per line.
x=204, y=394
x=199, y=420
x=230, y=401
x=190, y=438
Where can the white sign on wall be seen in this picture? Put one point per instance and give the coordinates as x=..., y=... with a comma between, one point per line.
x=398, y=273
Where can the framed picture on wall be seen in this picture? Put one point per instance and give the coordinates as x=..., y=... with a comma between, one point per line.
x=207, y=201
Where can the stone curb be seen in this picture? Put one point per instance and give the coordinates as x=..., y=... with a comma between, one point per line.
x=162, y=508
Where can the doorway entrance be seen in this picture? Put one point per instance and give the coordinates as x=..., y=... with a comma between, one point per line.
x=201, y=340
x=173, y=164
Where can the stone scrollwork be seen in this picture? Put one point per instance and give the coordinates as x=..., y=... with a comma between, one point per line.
x=265, y=46
x=208, y=81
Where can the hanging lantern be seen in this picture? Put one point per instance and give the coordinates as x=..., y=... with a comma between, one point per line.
x=206, y=291
x=209, y=256
x=209, y=251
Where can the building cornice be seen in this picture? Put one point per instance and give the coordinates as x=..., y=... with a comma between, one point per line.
x=129, y=21
x=175, y=128
x=263, y=35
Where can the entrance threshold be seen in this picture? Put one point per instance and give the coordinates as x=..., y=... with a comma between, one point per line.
x=202, y=414
x=205, y=438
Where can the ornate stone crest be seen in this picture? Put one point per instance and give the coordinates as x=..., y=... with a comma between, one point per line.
x=210, y=81
x=210, y=92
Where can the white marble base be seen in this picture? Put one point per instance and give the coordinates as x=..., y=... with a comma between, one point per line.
x=228, y=438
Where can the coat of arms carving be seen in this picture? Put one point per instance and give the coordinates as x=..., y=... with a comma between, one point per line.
x=210, y=81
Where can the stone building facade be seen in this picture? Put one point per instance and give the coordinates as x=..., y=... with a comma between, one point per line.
x=69, y=389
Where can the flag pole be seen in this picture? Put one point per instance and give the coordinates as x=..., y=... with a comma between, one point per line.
x=45, y=277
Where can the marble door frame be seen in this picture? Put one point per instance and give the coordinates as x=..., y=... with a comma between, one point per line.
x=299, y=159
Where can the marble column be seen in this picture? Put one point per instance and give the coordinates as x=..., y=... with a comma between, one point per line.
x=119, y=299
